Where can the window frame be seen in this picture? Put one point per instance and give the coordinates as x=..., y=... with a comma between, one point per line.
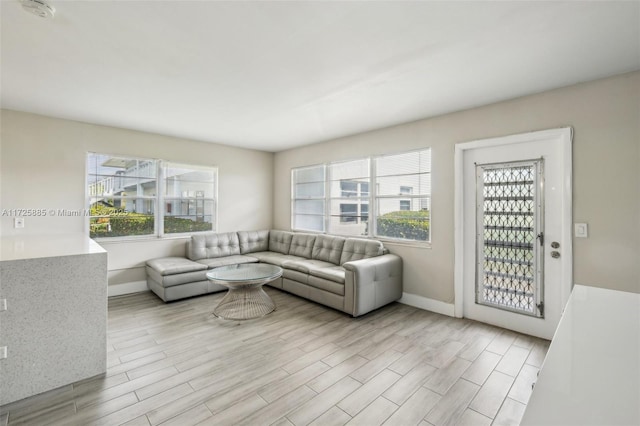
x=372, y=199
x=159, y=199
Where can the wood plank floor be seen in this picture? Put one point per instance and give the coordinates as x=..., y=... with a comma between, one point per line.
x=304, y=364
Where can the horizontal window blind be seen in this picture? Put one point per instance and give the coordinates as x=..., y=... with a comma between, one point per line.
x=387, y=196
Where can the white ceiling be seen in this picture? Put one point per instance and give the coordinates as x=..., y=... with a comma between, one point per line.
x=275, y=75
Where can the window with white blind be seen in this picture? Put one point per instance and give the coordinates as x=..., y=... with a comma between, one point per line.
x=349, y=197
x=189, y=198
x=403, y=195
x=136, y=197
x=387, y=196
x=308, y=198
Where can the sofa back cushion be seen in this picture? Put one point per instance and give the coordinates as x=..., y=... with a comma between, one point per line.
x=327, y=248
x=302, y=245
x=212, y=245
x=358, y=248
x=280, y=241
x=253, y=241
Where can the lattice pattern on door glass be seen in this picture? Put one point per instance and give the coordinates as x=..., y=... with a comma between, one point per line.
x=508, y=221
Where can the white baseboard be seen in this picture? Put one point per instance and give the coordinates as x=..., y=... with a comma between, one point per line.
x=127, y=288
x=407, y=298
x=427, y=304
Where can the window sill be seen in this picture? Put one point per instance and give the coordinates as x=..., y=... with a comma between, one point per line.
x=141, y=239
x=386, y=241
x=414, y=244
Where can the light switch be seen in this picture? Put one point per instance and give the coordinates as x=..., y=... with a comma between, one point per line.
x=3, y=305
x=3, y=352
x=18, y=222
x=581, y=230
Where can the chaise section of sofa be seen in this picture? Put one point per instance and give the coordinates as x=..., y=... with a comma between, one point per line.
x=352, y=275
x=173, y=278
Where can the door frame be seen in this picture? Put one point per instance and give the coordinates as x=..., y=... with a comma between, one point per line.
x=564, y=136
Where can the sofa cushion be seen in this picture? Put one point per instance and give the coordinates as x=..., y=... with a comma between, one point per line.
x=298, y=276
x=358, y=248
x=306, y=265
x=326, y=285
x=274, y=258
x=176, y=279
x=334, y=273
x=280, y=241
x=302, y=245
x=327, y=248
x=174, y=265
x=212, y=245
x=251, y=241
x=227, y=260
x=308, y=292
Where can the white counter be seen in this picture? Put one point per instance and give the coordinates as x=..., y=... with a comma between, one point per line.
x=55, y=325
x=591, y=374
x=36, y=246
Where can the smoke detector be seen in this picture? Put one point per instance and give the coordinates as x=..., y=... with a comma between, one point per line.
x=39, y=8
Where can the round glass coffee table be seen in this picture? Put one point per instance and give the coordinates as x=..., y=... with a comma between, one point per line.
x=245, y=299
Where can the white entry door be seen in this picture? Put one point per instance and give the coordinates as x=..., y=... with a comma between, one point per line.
x=513, y=237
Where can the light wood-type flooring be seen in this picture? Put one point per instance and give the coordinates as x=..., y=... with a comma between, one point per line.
x=304, y=364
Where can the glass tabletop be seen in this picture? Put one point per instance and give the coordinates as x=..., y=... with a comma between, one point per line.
x=245, y=272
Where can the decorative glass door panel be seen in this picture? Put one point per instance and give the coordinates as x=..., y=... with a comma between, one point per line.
x=509, y=213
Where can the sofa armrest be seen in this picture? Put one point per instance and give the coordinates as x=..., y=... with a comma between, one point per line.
x=371, y=283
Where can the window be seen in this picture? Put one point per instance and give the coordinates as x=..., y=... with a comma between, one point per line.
x=406, y=190
x=349, y=188
x=348, y=192
x=336, y=197
x=189, y=198
x=146, y=197
x=307, y=194
x=348, y=213
x=403, y=196
x=122, y=195
x=405, y=205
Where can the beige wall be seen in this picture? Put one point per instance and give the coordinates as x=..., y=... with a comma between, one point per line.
x=42, y=166
x=42, y=163
x=605, y=115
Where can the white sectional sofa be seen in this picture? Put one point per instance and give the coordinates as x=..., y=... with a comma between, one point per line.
x=352, y=275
